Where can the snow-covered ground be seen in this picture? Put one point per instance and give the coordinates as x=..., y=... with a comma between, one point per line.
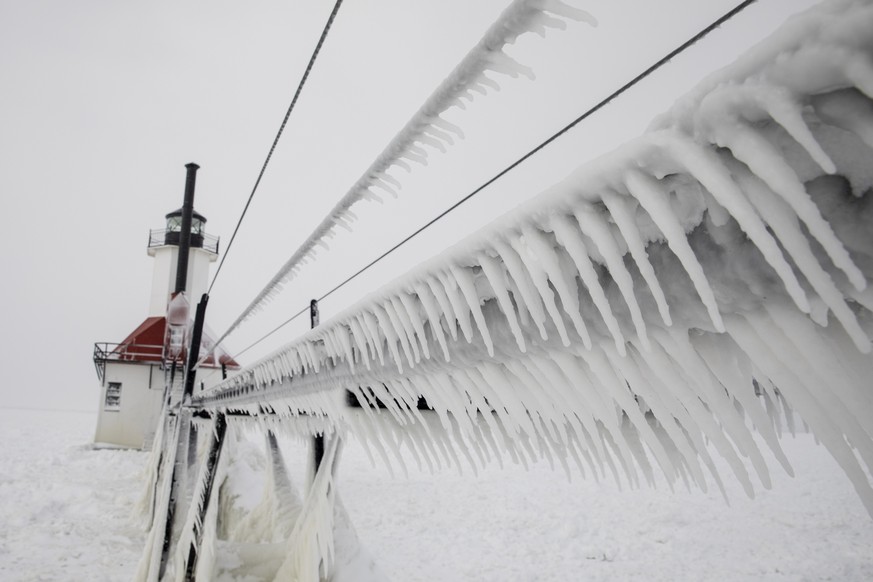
x=65, y=508
x=67, y=513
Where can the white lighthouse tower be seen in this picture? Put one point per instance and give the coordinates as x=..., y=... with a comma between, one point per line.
x=164, y=249
x=136, y=373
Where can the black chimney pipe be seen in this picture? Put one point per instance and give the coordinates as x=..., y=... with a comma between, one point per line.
x=185, y=232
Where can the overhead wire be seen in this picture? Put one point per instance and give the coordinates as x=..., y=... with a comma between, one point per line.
x=297, y=93
x=426, y=127
x=605, y=101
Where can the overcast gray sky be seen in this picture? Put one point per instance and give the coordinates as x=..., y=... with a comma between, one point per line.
x=103, y=102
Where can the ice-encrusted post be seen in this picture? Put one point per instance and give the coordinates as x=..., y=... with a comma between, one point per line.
x=203, y=495
x=318, y=439
x=194, y=352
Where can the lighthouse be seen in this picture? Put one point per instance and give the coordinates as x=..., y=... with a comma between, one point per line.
x=139, y=374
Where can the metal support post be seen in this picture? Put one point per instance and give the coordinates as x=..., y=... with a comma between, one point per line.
x=185, y=227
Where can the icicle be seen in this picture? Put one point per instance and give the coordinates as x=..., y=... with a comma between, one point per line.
x=439, y=292
x=502, y=410
x=618, y=391
x=371, y=326
x=468, y=288
x=413, y=156
x=563, y=9
x=653, y=198
x=541, y=283
x=439, y=133
x=532, y=385
x=406, y=330
x=624, y=368
x=593, y=225
x=627, y=226
x=503, y=387
x=558, y=394
x=360, y=340
x=500, y=62
x=387, y=325
x=740, y=386
x=835, y=405
x=784, y=224
x=330, y=349
x=565, y=286
x=487, y=81
x=520, y=278
x=827, y=431
x=461, y=407
x=441, y=123
x=434, y=397
x=675, y=419
x=400, y=163
x=461, y=309
x=314, y=361
x=710, y=392
x=777, y=102
x=764, y=160
x=479, y=401
x=496, y=279
x=569, y=237
x=369, y=431
x=433, y=142
x=588, y=405
x=428, y=301
x=384, y=396
x=412, y=315
x=706, y=167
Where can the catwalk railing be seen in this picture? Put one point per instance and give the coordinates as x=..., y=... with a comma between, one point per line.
x=657, y=307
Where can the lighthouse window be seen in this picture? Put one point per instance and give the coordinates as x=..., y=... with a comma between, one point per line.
x=113, y=396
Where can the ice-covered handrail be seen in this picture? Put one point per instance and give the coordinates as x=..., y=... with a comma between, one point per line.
x=676, y=292
x=427, y=128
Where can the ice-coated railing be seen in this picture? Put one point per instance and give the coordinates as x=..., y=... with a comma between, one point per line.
x=654, y=309
x=675, y=291
x=427, y=128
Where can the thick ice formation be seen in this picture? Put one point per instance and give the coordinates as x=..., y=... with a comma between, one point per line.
x=660, y=298
x=656, y=306
x=475, y=74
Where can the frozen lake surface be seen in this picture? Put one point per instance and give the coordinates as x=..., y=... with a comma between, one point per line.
x=67, y=513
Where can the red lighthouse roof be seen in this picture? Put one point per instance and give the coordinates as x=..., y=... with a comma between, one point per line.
x=146, y=344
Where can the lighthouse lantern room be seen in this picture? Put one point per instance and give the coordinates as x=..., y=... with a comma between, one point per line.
x=138, y=375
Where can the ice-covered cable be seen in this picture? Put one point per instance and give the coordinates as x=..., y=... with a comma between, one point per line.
x=297, y=93
x=427, y=127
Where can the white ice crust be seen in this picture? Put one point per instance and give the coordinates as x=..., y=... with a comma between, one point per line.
x=674, y=292
x=680, y=290
x=677, y=291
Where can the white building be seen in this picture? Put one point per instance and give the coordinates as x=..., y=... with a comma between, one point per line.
x=134, y=373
